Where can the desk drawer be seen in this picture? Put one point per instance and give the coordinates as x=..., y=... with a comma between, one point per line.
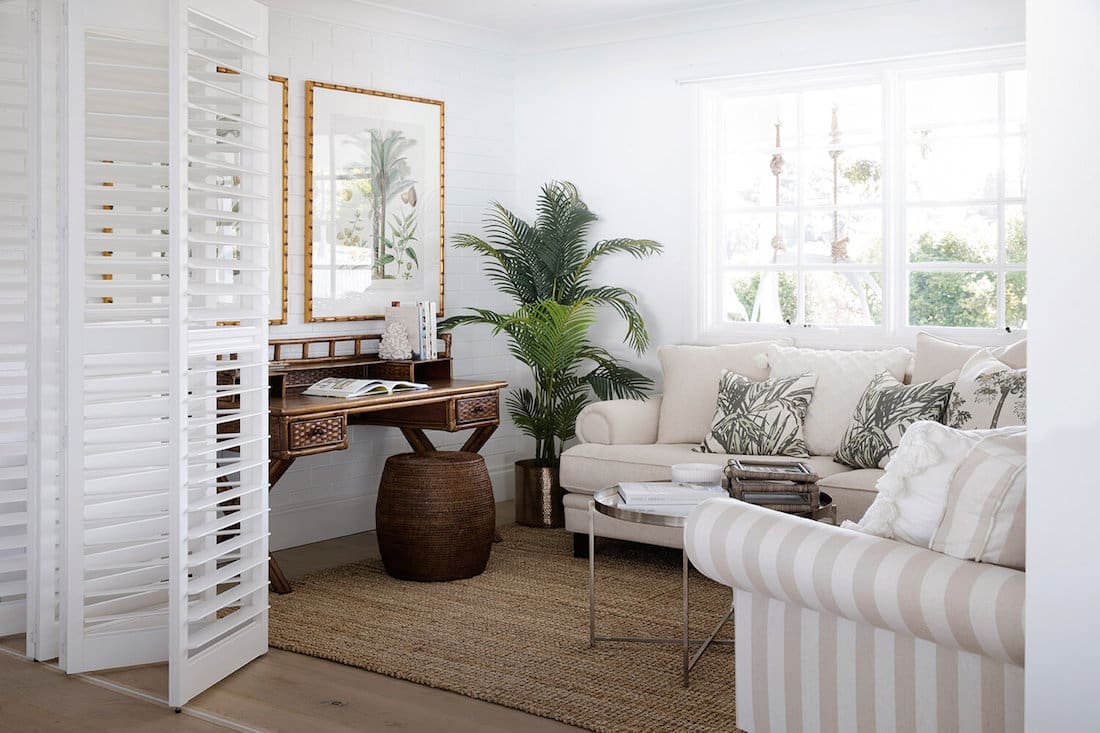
x=475, y=409
x=314, y=433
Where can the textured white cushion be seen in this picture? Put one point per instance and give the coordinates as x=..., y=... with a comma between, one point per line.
x=842, y=377
x=912, y=494
x=937, y=356
x=691, y=375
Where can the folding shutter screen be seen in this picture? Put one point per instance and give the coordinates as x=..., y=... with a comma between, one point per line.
x=15, y=332
x=219, y=517
x=166, y=481
x=118, y=363
x=44, y=456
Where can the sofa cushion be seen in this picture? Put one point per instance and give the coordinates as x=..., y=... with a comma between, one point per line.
x=885, y=411
x=988, y=394
x=842, y=377
x=913, y=491
x=589, y=467
x=691, y=375
x=937, y=356
x=760, y=418
x=984, y=519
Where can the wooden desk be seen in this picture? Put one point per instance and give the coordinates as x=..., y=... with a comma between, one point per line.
x=303, y=426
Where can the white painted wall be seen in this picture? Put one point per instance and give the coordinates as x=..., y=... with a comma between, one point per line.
x=345, y=42
x=1063, y=588
x=603, y=109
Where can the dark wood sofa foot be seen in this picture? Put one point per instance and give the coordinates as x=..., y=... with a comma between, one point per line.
x=580, y=544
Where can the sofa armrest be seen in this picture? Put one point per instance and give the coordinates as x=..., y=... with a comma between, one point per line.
x=891, y=585
x=618, y=422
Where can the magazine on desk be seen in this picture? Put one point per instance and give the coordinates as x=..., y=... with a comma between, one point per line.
x=348, y=388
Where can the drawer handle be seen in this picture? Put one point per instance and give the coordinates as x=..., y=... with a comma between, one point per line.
x=316, y=432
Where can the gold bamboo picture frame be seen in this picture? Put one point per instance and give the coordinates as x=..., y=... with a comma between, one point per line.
x=279, y=175
x=374, y=224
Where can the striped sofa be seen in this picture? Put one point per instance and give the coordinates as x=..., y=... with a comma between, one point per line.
x=841, y=631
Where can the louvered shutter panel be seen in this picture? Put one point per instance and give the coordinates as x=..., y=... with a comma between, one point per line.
x=15, y=334
x=116, y=326
x=44, y=456
x=219, y=516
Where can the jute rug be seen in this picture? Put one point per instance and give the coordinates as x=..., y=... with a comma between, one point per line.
x=517, y=635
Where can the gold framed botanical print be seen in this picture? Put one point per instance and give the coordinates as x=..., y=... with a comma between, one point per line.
x=278, y=175
x=374, y=202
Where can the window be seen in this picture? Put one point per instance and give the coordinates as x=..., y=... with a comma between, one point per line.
x=883, y=199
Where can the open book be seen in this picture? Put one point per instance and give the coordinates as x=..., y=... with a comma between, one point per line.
x=347, y=388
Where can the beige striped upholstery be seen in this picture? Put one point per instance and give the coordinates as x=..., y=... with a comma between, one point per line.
x=841, y=631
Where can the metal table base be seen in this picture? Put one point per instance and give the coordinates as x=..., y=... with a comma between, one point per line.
x=689, y=658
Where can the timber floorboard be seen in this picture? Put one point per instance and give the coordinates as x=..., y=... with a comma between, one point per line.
x=283, y=692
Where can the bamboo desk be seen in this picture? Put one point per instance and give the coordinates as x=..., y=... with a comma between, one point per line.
x=302, y=426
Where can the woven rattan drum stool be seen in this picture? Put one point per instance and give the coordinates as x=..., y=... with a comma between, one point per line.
x=435, y=515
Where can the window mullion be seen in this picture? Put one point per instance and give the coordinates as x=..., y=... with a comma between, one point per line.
x=1002, y=284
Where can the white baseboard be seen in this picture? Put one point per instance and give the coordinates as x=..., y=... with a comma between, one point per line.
x=301, y=524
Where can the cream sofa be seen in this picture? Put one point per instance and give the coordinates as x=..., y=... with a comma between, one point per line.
x=839, y=630
x=618, y=442
x=639, y=440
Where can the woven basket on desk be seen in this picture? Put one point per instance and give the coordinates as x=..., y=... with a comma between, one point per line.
x=435, y=515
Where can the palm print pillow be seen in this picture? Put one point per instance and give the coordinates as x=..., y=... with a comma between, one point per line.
x=885, y=412
x=989, y=394
x=760, y=418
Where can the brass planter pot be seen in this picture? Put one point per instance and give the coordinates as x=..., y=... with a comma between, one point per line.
x=538, y=495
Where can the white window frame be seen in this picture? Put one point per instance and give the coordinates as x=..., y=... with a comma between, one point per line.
x=892, y=75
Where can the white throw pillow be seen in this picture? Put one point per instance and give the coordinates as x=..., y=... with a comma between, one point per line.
x=988, y=394
x=912, y=494
x=842, y=378
x=984, y=517
x=937, y=356
x=691, y=375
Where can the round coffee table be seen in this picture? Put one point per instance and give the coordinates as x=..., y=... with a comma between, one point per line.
x=608, y=502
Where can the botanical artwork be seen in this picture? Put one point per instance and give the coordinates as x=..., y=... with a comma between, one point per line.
x=760, y=418
x=989, y=395
x=885, y=411
x=374, y=224
x=278, y=136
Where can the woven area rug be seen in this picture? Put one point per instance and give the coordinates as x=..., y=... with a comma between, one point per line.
x=517, y=635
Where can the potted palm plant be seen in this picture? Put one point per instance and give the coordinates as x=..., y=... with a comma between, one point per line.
x=546, y=267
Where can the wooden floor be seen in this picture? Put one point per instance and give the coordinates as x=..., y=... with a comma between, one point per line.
x=281, y=691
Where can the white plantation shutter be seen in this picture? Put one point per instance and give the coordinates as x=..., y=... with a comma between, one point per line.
x=219, y=516
x=166, y=323
x=116, y=327
x=44, y=455
x=15, y=332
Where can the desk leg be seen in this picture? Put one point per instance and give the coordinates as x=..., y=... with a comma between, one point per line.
x=275, y=470
x=478, y=438
x=418, y=439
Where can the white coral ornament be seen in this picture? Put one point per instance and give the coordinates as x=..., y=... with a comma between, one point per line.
x=395, y=342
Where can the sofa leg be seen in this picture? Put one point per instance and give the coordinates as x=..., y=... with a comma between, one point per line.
x=580, y=544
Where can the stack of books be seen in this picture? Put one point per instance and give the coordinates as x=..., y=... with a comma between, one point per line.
x=774, y=488
x=420, y=322
x=665, y=497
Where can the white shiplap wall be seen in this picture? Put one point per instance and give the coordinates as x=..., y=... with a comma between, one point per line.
x=345, y=42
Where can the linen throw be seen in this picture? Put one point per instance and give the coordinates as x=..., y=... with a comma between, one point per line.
x=760, y=418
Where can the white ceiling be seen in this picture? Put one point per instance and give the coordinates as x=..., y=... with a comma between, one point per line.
x=525, y=18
